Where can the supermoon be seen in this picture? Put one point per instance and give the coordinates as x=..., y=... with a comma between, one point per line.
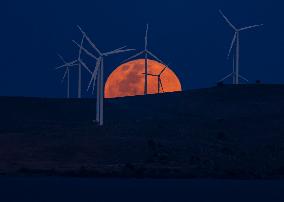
x=128, y=79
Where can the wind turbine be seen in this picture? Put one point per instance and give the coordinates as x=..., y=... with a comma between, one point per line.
x=236, y=41
x=78, y=62
x=98, y=73
x=66, y=74
x=146, y=54
x=159, y=80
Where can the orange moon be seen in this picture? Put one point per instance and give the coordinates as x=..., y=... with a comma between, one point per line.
x=128, y=79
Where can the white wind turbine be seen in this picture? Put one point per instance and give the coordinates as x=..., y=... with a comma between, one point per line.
x=146, y=53
x=67, y=74
x=78, y=62
x=98, y=73
x=236, y=41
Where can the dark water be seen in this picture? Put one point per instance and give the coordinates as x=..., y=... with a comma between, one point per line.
x=41, y=189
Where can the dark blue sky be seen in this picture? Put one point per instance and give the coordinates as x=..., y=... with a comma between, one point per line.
x=188, y=35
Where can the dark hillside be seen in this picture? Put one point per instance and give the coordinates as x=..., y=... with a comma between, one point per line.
x=224, y=132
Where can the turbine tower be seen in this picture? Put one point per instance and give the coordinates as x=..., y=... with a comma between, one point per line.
x=159, y=80
x=98, y=73
x=236, y=41
x=146, y=54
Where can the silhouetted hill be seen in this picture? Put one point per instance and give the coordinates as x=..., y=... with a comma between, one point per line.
x=223, y=132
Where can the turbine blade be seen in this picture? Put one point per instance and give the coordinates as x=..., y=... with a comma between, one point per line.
x=61, y=58
x=98, y=65
x=89, y=40
x=94, y=85
x=161, y=84
x=243, y=78
x=125, y=50
x=110, y=52
x=85, y=50
x=94, y=74
x=134, y=56
x=89, y=85
x=232, y=44
x=251, y=27
x=159, y=60
x=93, y=45
x=163, y=70
x=227, y=20
x=146, y=37
x=81, y=30
x=227, y=77
x=121, y=48
x=150, y=74
x=69, y=64
x=80, y=49
x=64, y=76
x=117, y=52
x=85, y=66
